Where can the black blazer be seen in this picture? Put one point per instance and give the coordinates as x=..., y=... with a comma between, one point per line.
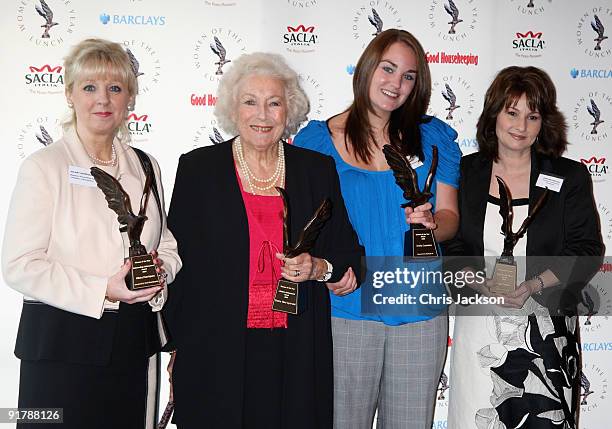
x=208, y=301
x=567, y=226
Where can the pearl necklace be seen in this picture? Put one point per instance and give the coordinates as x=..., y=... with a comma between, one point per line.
x=279, y=163
x=110, y=163
x=279, y=172
x=99, y=161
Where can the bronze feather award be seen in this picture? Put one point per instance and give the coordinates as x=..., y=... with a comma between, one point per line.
x=287, y=297
x=504, y=273
x=143, y=273
x=419, y=242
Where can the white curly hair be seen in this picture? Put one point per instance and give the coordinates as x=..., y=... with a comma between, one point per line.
x=261, y=64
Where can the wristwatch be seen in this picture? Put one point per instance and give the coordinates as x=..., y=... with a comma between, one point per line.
x=327, y=275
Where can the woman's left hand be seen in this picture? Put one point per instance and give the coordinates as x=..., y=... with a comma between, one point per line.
x=159, y=266
x=346, y=285
x=301, y=268
x=517, y=298
x=421, y=214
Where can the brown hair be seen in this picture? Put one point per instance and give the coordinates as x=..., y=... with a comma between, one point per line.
x=403, y=126
x=505, y=90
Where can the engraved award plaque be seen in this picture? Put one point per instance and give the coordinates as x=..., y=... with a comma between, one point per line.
x=288, y=298
x=419, y=241
x=143, y=273
x=504, y=273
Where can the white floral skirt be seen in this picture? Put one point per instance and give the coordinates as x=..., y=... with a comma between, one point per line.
x=514, y=369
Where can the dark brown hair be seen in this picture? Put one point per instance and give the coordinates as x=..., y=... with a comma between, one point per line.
x=505, y=90
x=403, y=126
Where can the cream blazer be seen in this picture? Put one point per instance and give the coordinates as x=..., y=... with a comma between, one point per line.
x=62, y=242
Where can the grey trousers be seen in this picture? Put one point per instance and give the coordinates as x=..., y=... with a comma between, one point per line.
x=395, y=369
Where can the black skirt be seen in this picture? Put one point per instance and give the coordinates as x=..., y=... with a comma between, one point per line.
x=121, y=394
x=263, y=379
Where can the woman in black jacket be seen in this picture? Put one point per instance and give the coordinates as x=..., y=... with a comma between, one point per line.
x=238, y=363
x=520, y=361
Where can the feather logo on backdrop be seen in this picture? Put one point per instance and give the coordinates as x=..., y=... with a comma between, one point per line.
x=219, y=50
x=453, y=11
x=598, y=28
x=450, y=96
x=45, y=11
x=376, y=21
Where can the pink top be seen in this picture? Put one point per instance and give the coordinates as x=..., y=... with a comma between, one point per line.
x=265, y=217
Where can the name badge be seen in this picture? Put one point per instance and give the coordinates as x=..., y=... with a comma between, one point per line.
x=550, y=181
x=80, y=176
x=415, y=162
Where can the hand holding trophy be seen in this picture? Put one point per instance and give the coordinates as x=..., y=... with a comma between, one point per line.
x=143, y=273
x=287, y=297
x=419, y=241
x=504, y=273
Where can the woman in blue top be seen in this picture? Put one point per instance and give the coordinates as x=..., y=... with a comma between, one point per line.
x=387, y=361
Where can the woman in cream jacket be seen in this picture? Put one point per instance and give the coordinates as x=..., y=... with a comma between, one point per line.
x=84, y=338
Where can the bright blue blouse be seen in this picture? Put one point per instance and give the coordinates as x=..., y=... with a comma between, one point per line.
x=373, y=201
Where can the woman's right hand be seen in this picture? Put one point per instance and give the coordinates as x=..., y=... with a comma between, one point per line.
x=422, y=215
x=116, y=289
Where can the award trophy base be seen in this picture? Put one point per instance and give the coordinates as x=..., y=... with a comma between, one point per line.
x=288, y=298
x=419, y=242
x=504, y=275
x=143, y=273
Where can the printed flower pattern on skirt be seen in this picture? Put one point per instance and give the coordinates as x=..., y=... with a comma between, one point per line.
x=534, y=368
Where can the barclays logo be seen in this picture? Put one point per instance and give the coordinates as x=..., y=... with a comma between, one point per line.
x=591, y=73
x=468, y=143
x=440, y=424
x=105, y=19
x=350, y=69
x=597, y=347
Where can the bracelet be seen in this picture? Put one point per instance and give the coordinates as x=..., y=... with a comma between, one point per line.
x=541, y=282
x=328, y=272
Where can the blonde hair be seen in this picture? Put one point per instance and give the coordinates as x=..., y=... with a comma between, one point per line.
x=261, y=64
x=95, y=58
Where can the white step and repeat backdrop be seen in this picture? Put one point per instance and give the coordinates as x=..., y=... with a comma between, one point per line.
x=322, y=40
